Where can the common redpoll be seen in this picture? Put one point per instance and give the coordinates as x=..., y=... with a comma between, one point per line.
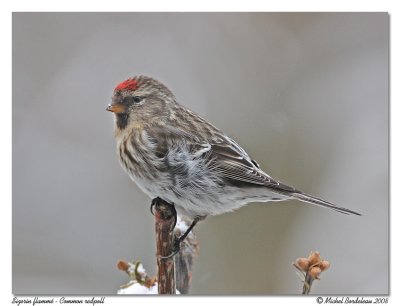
x=172, y=153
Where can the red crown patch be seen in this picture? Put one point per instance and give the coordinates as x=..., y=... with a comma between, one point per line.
x=127, y=85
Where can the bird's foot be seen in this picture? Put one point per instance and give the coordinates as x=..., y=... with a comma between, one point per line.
x=155, y=202
x=176, y=247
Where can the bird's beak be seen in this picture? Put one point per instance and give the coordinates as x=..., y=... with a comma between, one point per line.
x=116, y=108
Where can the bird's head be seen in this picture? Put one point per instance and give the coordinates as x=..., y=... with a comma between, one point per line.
x=140, y=99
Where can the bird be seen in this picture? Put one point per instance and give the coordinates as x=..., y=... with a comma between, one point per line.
x=174, y=154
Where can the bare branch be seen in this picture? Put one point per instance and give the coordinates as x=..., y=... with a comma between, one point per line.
x=165, y=219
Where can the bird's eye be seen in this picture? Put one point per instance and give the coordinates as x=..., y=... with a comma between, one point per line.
x=132, y=100
x=137, y=99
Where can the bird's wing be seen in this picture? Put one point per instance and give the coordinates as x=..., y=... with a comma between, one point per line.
x=234, y=164
x=223, y=154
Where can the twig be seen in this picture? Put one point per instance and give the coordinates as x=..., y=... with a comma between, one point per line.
x=165, y=215
x=140, y=282
x=308, y=280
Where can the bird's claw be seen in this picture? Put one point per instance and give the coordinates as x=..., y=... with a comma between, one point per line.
x=153, y=203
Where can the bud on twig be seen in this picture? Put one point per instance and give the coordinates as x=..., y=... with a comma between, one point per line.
x=324, y=265
x=311, y=268
x=314, y=258
x=314, y=272
x=138, y=276
x=303, y=264
x=123, y=266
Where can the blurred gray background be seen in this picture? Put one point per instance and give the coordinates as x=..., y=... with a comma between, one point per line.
x=306, y=94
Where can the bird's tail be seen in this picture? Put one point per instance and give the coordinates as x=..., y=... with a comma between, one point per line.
x=317, y=201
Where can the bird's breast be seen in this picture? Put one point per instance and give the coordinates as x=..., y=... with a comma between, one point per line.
x=136, y=155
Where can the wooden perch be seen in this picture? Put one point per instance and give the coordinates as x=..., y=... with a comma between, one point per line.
x=174, y=272
x=165, y=219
